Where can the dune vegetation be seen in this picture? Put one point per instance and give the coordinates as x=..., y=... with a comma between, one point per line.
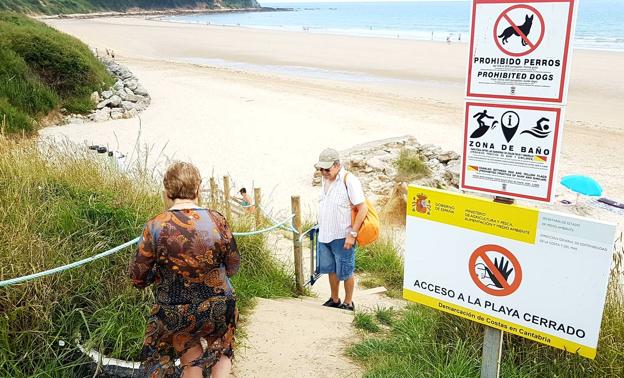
x=42, y=72
x=59, y=204
x=88, y=6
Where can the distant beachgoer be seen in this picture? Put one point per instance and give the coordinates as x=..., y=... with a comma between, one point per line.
x=341, y=191
x=432, y=36
x=113, y=54
x=246, y=201
x=107, y=52
x=448, y=39
x=459, y=37
x=188, y=253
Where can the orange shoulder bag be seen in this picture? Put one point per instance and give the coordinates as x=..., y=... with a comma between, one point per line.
x=369, y=230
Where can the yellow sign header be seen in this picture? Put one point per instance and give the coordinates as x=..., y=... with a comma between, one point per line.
x=477, y=214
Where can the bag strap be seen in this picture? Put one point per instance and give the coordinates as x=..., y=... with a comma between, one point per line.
x=344, y=180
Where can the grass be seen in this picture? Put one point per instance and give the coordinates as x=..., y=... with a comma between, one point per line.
x=423, y=342
x=366, y=322
x=86, y=6
x=410, y=166
x=57, y=205
x=382, y=266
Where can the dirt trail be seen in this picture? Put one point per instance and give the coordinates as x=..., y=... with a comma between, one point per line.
x=300, y=337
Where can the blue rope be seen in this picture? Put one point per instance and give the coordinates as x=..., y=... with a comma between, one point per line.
x=18, y=280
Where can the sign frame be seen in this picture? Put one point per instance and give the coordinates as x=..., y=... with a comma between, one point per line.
x=558, y=132
x=567, y=52
x=472, y=223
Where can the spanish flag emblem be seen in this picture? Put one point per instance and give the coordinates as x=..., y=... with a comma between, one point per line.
x=541, y=158
x=473, y=168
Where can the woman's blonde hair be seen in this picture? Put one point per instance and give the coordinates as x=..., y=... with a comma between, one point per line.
x=182, y=180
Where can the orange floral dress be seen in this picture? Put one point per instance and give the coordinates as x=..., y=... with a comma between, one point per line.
x=189, y=256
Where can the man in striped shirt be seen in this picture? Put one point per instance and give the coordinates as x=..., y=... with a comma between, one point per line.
x=341, y=191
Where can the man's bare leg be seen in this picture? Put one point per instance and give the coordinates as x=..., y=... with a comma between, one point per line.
x=334, y=285
x=349, y=285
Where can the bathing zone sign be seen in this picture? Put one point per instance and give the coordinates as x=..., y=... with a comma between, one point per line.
x=520, y=49
x=522, y=270
x=511, y=150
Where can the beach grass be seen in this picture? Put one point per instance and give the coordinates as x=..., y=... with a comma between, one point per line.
x=381, y=266
x=424, y=342
x=58, y=204
x=43, y=71
x=410, y=166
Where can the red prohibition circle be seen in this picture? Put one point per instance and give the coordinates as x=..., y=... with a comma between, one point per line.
x=481, y=252
x=531, y=48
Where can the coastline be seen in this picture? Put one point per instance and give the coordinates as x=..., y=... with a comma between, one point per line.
x=159, y=13
x=239, y=121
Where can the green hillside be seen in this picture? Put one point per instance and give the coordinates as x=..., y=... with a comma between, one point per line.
x=86, y=6
x=43, y=70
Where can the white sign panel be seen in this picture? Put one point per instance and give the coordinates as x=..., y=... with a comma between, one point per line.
x=520, y=50
x=537, y=274
x=511, y=150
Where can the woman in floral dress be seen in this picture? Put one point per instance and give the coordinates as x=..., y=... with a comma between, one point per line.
x=188, y=253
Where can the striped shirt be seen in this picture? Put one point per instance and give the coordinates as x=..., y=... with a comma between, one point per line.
x=334, y=215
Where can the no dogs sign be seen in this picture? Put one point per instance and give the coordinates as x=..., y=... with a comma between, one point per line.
x=534, y=273
x=520, y=49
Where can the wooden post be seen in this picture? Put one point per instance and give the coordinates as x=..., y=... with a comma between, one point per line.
x=492, y=337
x=213, y=193
x=257, y=203
x=296, y=209
x=492, y=351
x=226, y=198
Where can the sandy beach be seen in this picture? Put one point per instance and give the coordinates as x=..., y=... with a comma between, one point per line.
x=261, y=104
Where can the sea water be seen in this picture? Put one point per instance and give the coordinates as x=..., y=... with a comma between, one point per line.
x=600, y=23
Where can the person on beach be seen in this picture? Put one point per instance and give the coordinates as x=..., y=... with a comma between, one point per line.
x=246, y=201
x=340, y=191
x=188, y=253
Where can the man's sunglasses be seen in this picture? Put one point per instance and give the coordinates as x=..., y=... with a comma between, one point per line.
x=324, y=169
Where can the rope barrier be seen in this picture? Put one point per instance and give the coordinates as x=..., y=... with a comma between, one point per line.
x=290, y=226
x=306, y=232
x=278, y=225
x=18, y=280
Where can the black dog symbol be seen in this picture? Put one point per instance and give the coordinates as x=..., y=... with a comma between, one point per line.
x=524, y=28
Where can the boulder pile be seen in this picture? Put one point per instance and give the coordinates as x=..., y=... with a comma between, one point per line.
x=374, y=164
x=125, y=99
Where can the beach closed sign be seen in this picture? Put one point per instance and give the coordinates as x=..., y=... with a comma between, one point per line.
x=534, y=273
x=511, y=150
x=520, y=50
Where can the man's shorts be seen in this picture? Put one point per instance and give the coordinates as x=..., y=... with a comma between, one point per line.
x=333, y=258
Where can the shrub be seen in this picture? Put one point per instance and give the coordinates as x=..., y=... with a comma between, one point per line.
x=410, y=166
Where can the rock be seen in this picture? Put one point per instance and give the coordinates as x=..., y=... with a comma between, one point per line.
x=131, y=113
x=132, y=84
x=139, y=90
x=357, y=163
x=127, y=105
x=447, y=156
x=119, y=86
x=134, y=98
x=376, y=163
x=115, y=101
x=128, y=91
x=453, y=170
x=103, y=104
x=95, y=98
x=107, y=94
x=117, y=113
x=102, y=115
